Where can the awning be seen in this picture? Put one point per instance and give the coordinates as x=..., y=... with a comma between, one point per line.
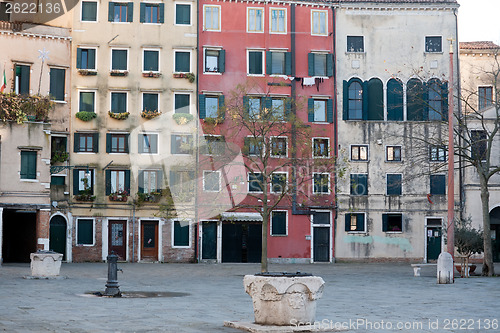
x=248, y=217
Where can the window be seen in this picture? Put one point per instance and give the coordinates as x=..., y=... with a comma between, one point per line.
x=478, y=145
x=181, y=234
x=255, y=182
x=183, y=14
x=279, y=182
x=116, y=143
x=85, y=232
x=278, y=63
x=436, y=110
x=485, y=95
x=355, y=44
x=57, y=180
x=433, y=44
x=214, y=145
x=87, y=101
x=279, y=109
x=181, y=143
x=152, y=13
x=86, y=142
x=4, y=13
x=279, y=147
x=22, y=80
x=320, y=110
x=321, y=183
x=211, y=106
x=321, y=218
x=211, y=19
x=438, y=184
x=355, y=222
x=118, y=102
x=83, y=180
x=254, y=146
x=392, y=222
x=255, y=61
x=320, y=64
x=182, y=185
x=319, y=22
x=151, y=61
x=211, y=181
x=354, y=101
x=415, y=100
x=150, y=102
x=255, y=20
x=121, y=11
x=437, y=153
x=57, y=83
x=215, y=61
x=279, y=225
x=359, y=184
x=149, y=181
x=148, y=143
x=253, y=105
x=182, y=62
x=28, y=164
x=89, y=11
x=85, y=58
x=119, y=60
x=395, y=100
x=58, y=145
x=321, y=147
x=278, y=20
x=394, y=183
x=393, y=153
x=181, y=103
x=117, y=180
x=359, y=152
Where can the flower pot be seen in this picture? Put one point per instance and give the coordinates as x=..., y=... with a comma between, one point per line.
x=472, y=268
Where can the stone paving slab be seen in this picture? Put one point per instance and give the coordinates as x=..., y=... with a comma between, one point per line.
x=359, y=297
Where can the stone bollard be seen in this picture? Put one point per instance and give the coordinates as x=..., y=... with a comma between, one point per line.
x=45, y=264
x=112, y=287
x=445, y=268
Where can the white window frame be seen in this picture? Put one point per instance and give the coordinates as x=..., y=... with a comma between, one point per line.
x=387, y=184
x=262, y=9
x=159, y=59
x=354, y=35
x=401, y=154
x=111, y=58
x=286, y=223
x=157, y=143
x=325, y=100
x=117, y=178
x=271, y=146
x=93, y=231
x=402, y=224
x=190, y=13
x=263, y=147
x=157, y=171
x=149, y=92
x=263, y=52
x=97, y=11
x=190, y=101
x=359, y=145
x=84, y=47
x=111, y=99
x=92, y=175
x=286, y=182
x=205, y=136
x=205, y=19
x=211, y=171
x=248, y=182
x=329, y=147
x=329, y=183
x=95, y=98
x=190, y=59
x=173, y=236
x=205, y=49
x=312, y=22
x=364, y=231
x=183, y=134
x=434, y=52
x=271, y=21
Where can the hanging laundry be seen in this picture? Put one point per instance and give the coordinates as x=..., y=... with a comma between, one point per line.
x=308, y=81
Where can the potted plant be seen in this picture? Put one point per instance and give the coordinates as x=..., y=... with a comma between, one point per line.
x=120, y=195
x=151, y=74
x=87, y=72
x=152, y=197
x=190, y=76
x=116, y=72
x=86, y=193
x=59, y=156
x=468, y=241
x=119, y=115
x=86, y=115
x=149, y=114
x=182, y=118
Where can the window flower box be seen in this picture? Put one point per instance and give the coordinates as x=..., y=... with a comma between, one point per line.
x=85, y=197
x=118, y=196
x=190, y=76
x=151, y=74
x=59, y=156
x=152, y=197
x=118, y=73
x=119, y=116
x=182, y=118
x=86, y=115
x=87, y=72
x=149, y=114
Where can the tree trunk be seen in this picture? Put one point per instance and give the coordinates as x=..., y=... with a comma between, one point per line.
x=488, y=268
x=263, y=258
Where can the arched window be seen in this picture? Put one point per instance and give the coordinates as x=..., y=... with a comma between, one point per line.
x=375, y=99
x=438, y=95
x=415, y=100
x=353, y=100
x=394, y=100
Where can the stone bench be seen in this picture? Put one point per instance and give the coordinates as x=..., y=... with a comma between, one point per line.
x=417, y=267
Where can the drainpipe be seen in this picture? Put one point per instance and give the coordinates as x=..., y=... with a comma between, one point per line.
x=335, y=124
x=451, y=164
x=197, y=253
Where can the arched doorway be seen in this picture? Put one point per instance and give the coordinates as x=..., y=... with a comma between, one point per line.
x=57, y=238
x=495, y=233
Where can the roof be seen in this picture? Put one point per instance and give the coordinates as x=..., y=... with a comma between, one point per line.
x=483, y=45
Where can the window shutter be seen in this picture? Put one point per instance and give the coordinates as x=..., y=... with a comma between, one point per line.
x=310, y=110
x=127, y=181
x=221, y=112
x=268, y=103
x=95, y=142
x=173, y=179
x=202, y=111
x=76, y=182
x=269, y=63
x=161, y=9
x=142, y=12
x=246, y=106
x=363, y=181
x=310, y=59
x=126, y=142
x=57, y=80
x=140, y=143
x=111, y=12
x=32, y=165
x=173, y=145
x=365, y=100
x=76, y=143
x=360, y=222
x=288, y=108
x=394, y=100
x=91, y=59
x=425, y=101
x=108, y=143
x=24, y=166
x=329, y=65
x=154, y=143
x=329, y=111
x=246, y=145
x=130, y=11
x=79, y=57
x=347, y=222
x=159, y=179
x=288, y=63
x=140, y=182
x=222, y=61
x=25, y=80
x=444, y=101
x=108, y=181
x=384, y=222
x=345, y=102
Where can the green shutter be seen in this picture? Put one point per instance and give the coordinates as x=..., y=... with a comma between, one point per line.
x=310, y=64
x=268, y=103
x=345, y=102
x=173, y=146
x=221, y=112
x=85, y=232
x=329, y=111
x=222, y=61
x=363, y=180
x=246, y=106
x=95, y=142
x=127, y=181
x=181, y=233
x=365, y=93
x=140, y=182
x=173, y=178
x=57, y=81
x=142, y=12
x=140, y=141
x=183, y=14
x=438, y=184
x=76, y=143
x=161, y=9
x=126, y=143
x=25, y=80
x=288, y=108
x=269, y=63
x=76, y=181
x=394, y=100
x=91, y=59
x=310, y=110
x=28, y=164
x=347, y=222
x=425, y=99
x=108, y=181
x=108, y=143
x=202, y=111
x=375, y=99
x=384, y=222
x=159, y=180
x=444, y=101
x=154, y=143
x=79, y=58
x=329, y=65
x=360, y=222
x=288, y=63
x=111, y=12
x=130, y=12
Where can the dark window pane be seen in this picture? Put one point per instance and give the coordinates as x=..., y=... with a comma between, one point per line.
x=182, y=14
x=181, y=103
x=433, y=44
x=182, y=62
x=438, y=184
x=278, y=224
x=89, y=11
x=57, y=83
x=255, y=62
x=181, y=233
x=118, y=102
x=119, y=60
x=355, y=44
x=85, y=232
x=149, y=102
x=151, y=61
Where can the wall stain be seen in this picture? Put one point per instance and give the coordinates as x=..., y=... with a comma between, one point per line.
x=403, y=243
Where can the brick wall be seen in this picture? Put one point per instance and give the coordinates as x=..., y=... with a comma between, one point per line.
x=83, y=253
x=171, y=254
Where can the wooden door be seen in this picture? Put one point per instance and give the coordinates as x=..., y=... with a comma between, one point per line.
x=433, y=243
x=321, y=244
x=117, y=241
x=149, y=240
x=57, y=235
x=209, y=240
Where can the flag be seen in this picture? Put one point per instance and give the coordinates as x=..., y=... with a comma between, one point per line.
x=4, y=82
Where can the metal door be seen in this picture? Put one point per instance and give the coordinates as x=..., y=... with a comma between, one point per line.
x=254, y=243
x=433, y=243
x=209, y=240
x=117, y=243
x=232, y=238
x=149, y=241
x=57, y=237
x=321, y=244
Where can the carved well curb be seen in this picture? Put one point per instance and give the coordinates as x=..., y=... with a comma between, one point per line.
x=45, y=264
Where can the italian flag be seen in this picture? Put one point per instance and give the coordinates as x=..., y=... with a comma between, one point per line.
x=4, y=82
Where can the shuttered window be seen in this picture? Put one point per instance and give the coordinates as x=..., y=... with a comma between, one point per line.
x=85, y=232
x=22, y=80
x=182, y=103
x=121, y=12
x=438, y=184
x=149, y=102
x=181, y=233
x=321, y=183
x=359, y=184
x=320, y=64
x=119, y=60
x=118, y=102
x=255, y=182
x=151, y=61
x=394, y=184
x=57, y=83
x=355, y=222
x=28, y=164
x=182, y=62
x=278, y=223
x=183, y=14
x=148, y=143
x=89, y=11
x=85, y=58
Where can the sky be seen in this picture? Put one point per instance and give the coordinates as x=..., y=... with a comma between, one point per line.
x=478, y=20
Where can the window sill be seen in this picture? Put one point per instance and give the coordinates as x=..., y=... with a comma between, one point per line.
x=116, y=153
x=357, y=232
x=256, y=75
x=183, y=25
x=360, y=161
x=393, y=232
x=209, y=191
x=319, y=35
x=354, y=52
x=212, y=73
x=151, y=23
x=212, y=30
x=321, y=193
x=181, y=247
x=86, y=152
x=393, y=161
x=430, y=52
x=29, y=180
x=87, y=72
x=279, y=235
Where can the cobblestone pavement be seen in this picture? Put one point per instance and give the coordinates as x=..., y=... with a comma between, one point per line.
x=361, y=297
